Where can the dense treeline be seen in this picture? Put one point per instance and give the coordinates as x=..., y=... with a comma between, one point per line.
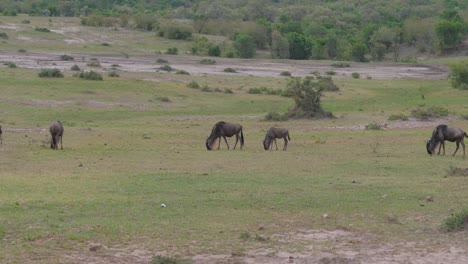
x=359, y=30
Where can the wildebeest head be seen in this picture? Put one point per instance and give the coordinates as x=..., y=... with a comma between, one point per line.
x=209, y=143
x=430, y=146
x=266, y=143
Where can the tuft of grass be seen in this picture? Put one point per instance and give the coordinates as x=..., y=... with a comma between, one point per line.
x=374, y=126
x=341, y=64
x=113, y=74
x=457, y=221
x=10, y=64
x=42, y=29
x=182, y=72
x=75, y=68
x=161, y=61
x=167, y=68
x=93, y=62
x=285, y=73
x=66, y=57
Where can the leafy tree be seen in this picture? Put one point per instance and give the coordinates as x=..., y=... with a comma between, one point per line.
x=244, y=46
x=449, y=30
x=358, y=52
x=279, y=46
x=300, y=46
x=306, y=94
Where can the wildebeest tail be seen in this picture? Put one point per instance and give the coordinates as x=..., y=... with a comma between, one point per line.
x=242, y=138
x=466, y=135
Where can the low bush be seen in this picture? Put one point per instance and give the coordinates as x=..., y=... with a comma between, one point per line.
x=207, y=62
x=167, y=68
x=113, y=74
x=285, y=73
x=340, y=65
x=457, y=221
x=193, y=85
x=3, y=35
x=93, y=62
x=66, y=57
x=398, y=117
x=75, y=68
x=91, y=75
x=41, y=29
x=355, y=75
x=276, y=116
x=10, y=64
x=50, y=73
x=172, y=51
x=230, y=70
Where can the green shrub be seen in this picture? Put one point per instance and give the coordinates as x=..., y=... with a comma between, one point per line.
x=276, y=116
x=355, y=75
x=193, y=85
x=3, y=35
x=214, y=51
x=285, y=73
x=75, y=68
x=91, y=75
x=50, y=73
x=327, y=84
x=164, y=99
x=168, y=260
x=228, y=91
x=230, y=70
x=10, y=64
x=177, y=31
x=22, y=50
x=457, y=221
x=66, y=57
x=330, y=73
x=182, y=72
x=167, y=68
x=161, y=61
x=205, y=88
x=172, y=51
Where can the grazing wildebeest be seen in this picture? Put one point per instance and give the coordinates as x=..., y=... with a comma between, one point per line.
x=225, y=129
x=56, y=131
x=442, y=133
x=272, y=134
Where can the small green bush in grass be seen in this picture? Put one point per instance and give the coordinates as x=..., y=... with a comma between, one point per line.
x=231, y=70
x=172, y=51
x=93, y=62
x=167, y=68
x=276, y=116
x=340, y=65
x=161, y=61
x=193, y=85
x=113, y=74
x=3, y=35
x=22, y=50
x=91, y=75
x=75, y=68
x=285, y=73
x=355, y=75
x=182, y=72
x=10, y=64
x=374, y=126
x=457, y=221
x=66, y=57
x=168, y=260
x=50, y=73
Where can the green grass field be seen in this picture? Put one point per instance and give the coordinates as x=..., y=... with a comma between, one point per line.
x=126, y=152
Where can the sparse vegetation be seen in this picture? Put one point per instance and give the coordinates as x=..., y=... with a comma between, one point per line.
x=75, y=68
x=41, y=29
x=429, y=112
x=50, y=73
x=285, y=73
x=172, y=51
x=230, y=70
x=90, y=75
x=207, y=62
x=398, y=117
x=276, y=116
x=167, y=68
x=93, y=62
x=66, y=57
x=355, y=75
x=10, y=64
x=456, y=221
x=193, y=85
x=3, y=35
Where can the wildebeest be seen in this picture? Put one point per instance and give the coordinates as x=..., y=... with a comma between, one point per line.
x=56, y=131
x=442, y=133
x=225, y=129
x=272, y=134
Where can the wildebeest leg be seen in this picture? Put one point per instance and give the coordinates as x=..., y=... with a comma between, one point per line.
x=276, y=144
x=219, y=142
x=237, y=139
x=463, y=145
x=458, y=146
x=61, y=145
x=285, y=144
x=270, y=147
x=225, y=140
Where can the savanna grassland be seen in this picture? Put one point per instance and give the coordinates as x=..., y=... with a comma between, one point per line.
x=339, y=193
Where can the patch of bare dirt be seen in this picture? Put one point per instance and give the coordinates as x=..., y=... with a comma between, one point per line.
x=243, y=67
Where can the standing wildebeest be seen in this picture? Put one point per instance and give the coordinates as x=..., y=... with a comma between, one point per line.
x=225, y=129
x=442, y=133
x=272, y=134
x=56, y=131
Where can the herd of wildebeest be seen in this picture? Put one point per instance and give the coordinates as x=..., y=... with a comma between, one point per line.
x=440, y=134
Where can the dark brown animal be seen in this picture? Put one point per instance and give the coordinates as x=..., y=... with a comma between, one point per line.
x=225, y=129
x=56, y=131
x=272, y=134
x=1, y=132
x=442, y=133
